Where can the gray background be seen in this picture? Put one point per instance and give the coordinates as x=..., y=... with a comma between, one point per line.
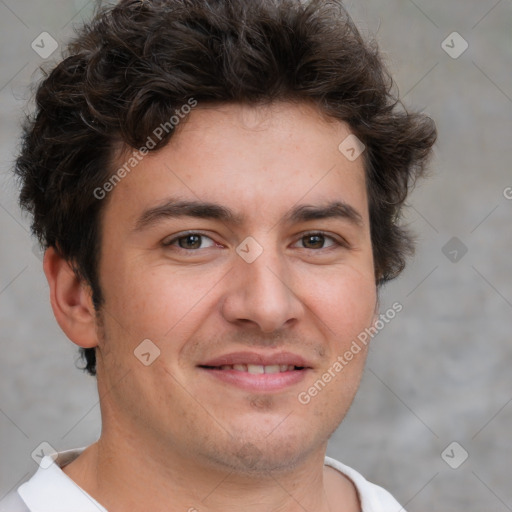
x=438, y=373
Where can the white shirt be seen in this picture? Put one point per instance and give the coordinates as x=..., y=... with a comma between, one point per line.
x=51, y=490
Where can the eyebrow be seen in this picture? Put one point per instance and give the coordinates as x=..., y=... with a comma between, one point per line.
x=333, y=210
x=173, y=208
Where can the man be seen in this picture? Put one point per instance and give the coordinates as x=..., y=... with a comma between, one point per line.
x=218, y=187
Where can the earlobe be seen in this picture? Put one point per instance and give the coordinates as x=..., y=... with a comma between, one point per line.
x=71, y=300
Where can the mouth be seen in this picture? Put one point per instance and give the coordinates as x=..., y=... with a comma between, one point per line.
x=256, y=369
x=258, y=372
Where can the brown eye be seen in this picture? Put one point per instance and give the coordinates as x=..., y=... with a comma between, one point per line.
x=190, y=242
x=318, y=241
x=315, y=241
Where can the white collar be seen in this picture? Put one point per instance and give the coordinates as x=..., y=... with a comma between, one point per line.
x=40, y=491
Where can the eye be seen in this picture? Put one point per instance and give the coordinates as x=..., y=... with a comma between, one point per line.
x=318, y=241
x=190, y=241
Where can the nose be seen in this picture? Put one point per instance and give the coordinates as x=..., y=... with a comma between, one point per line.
x=261, y=294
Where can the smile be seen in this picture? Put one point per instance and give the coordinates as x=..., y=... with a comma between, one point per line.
x=257, y=369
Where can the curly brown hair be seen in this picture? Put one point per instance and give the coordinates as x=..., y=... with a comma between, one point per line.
x=129, y=69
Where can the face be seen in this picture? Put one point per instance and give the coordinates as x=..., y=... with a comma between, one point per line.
x=242, y=251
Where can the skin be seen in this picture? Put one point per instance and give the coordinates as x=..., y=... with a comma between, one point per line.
x=173, y=435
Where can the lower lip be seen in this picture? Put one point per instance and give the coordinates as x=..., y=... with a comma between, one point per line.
x=260, y=382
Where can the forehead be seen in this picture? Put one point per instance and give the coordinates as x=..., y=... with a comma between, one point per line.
x=253, y=159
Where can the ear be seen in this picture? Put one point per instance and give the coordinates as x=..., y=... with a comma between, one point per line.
x=71, y=300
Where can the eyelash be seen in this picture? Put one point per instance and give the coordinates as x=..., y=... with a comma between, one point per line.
x=336, y=242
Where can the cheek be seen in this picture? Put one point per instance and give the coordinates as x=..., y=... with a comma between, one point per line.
x=345, y=301
x=158, y=302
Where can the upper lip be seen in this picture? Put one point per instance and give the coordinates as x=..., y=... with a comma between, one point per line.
x=267, y=359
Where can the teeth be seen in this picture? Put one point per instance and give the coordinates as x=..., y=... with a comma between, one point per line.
x=258, y=369
x=255, y=368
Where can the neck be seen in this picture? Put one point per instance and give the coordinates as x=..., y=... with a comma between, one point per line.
x=121, y=475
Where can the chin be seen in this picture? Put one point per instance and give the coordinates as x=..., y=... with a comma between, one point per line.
x=261, y=454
